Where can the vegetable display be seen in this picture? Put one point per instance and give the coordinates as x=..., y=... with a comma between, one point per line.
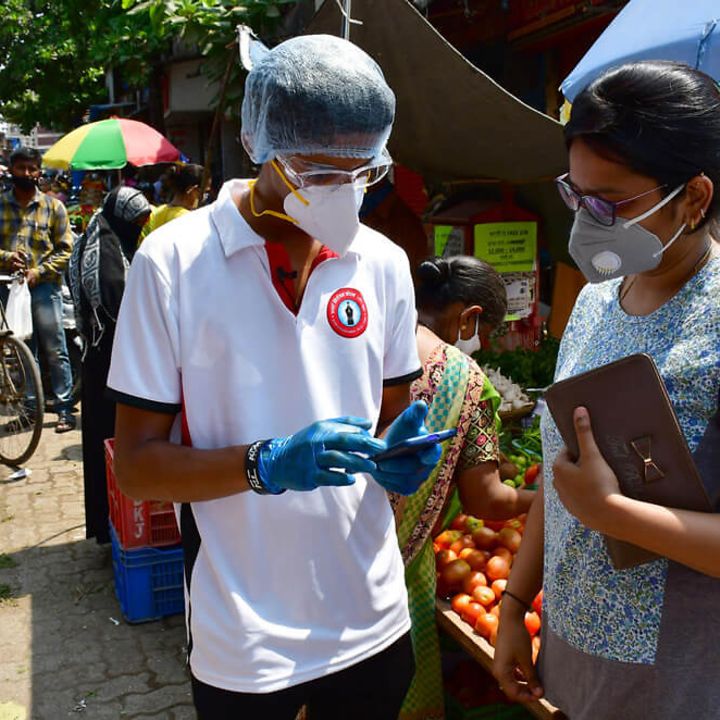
x=473, y=561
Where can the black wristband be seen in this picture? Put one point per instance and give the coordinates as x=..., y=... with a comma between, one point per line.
x=252, y=472
x=528, y=608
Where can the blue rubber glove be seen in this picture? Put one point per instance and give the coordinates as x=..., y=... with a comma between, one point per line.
x=303, y=460
x=404, y=475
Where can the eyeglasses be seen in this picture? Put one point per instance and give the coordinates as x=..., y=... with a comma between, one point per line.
x=604, y=211
x=305, y=172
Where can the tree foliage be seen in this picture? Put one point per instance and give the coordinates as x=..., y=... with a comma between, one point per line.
x=55, y=52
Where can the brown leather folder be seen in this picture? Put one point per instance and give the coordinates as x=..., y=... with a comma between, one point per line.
x=639, y=436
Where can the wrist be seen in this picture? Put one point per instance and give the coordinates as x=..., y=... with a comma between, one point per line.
x=513, y=604
x=256, y=472
x=611, y=521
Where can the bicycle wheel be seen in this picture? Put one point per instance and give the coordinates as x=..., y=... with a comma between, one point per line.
x=21, y=402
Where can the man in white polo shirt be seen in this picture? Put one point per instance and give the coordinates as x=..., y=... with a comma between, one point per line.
x=263, y=344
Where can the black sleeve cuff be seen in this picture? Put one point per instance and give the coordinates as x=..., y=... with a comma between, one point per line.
x=404, y=379
x=142, y=403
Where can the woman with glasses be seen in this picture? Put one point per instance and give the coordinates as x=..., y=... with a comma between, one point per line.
x=644, y=151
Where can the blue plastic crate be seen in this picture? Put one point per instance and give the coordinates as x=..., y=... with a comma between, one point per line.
x=148, y=581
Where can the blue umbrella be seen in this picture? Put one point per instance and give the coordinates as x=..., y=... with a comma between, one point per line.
x=686, y=31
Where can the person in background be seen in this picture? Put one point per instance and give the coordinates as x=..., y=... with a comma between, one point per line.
x=458, y=298
x=184, y=182
x=641, y=642
x=98, y=266
x=274, y=335
x=35, y=238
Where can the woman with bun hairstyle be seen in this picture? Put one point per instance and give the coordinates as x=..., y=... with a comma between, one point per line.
x=457, y=298
x=638, y=641
x=184, y=182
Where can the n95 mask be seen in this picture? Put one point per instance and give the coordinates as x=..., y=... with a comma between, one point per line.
x=329, y=213
x=626, y=248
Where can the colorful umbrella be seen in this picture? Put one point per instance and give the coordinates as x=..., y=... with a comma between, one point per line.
x=110, y=144
x=653, y=30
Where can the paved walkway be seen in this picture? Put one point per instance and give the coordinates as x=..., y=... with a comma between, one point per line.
x=65, y=651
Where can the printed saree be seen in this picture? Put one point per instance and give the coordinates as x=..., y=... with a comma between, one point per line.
x=459, y=395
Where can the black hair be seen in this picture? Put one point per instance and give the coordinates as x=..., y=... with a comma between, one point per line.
x=181, y=178
x=442, y=281
x=28, y=154
x=659, y=118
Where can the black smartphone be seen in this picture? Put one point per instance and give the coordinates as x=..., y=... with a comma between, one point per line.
x=414, y=444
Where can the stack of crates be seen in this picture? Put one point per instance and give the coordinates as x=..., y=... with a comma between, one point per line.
x=146, y=554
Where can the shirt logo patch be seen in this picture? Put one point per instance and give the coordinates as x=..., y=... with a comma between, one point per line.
x=347, y=313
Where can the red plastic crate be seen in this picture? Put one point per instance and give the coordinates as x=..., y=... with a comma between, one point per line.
x=138, y=523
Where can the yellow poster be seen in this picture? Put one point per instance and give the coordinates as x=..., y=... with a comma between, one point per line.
x=507, y=246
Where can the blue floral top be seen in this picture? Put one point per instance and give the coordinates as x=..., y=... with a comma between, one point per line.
x=617, y=614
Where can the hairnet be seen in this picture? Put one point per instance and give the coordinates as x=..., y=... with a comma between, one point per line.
x=316, y=94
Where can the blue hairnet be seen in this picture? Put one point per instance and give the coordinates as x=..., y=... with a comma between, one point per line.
x=316, y=95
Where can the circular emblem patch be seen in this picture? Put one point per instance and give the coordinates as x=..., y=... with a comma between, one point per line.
x=347, y=313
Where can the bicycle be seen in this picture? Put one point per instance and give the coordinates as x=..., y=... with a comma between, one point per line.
x=22, y=401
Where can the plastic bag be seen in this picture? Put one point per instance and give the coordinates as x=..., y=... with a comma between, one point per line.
x=18, y=312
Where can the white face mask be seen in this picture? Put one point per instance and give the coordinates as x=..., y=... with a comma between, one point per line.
x=473, y=344
x=329, y=213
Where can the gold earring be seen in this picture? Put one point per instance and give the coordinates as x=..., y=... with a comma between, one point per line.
x=692, y=225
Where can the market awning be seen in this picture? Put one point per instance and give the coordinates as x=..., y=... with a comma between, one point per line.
x=453, y=121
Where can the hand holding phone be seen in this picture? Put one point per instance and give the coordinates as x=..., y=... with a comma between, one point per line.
x=404, y=471
x=413, y=445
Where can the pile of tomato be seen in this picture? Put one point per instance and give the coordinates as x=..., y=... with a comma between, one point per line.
x=473, y=560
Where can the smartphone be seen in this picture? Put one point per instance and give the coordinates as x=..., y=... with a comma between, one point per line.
x=414, y=445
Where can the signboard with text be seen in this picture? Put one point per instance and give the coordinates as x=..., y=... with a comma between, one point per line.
x=449, y=240
x=507, y=246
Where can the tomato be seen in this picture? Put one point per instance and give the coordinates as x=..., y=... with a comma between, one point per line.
x=477, y=559
x=472, y=611
x=503, y=552
x=513, y=523
x=473, y=580
x=498, y=587
x=510, y=538
x=444, y=557
x=532, y=623
x=484, y=595
x=447, y=537
x=458, y=522
x=493, y=637
x=537, y=603
x=484, y=538
x=436, y=548
x=465, y=541
x=494, y=524
x=495, y=610
x=497, y=568
x=531, y=474
x=460, y=602
x=486, y=624
x=535, y=648
x=454, y=573
x=472, y=524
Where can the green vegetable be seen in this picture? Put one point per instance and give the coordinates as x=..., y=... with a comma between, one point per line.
x=527, y=368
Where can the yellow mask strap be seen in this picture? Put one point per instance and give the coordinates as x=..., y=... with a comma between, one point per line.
x=280, y=215
x=290, y=187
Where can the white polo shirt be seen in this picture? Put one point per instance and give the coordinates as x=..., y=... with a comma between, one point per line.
x=280, y=589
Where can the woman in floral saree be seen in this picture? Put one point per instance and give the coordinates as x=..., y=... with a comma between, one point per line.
x=457, y=298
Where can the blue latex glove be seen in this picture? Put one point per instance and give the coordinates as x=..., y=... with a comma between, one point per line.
x=303, y=460
x=404, y=475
